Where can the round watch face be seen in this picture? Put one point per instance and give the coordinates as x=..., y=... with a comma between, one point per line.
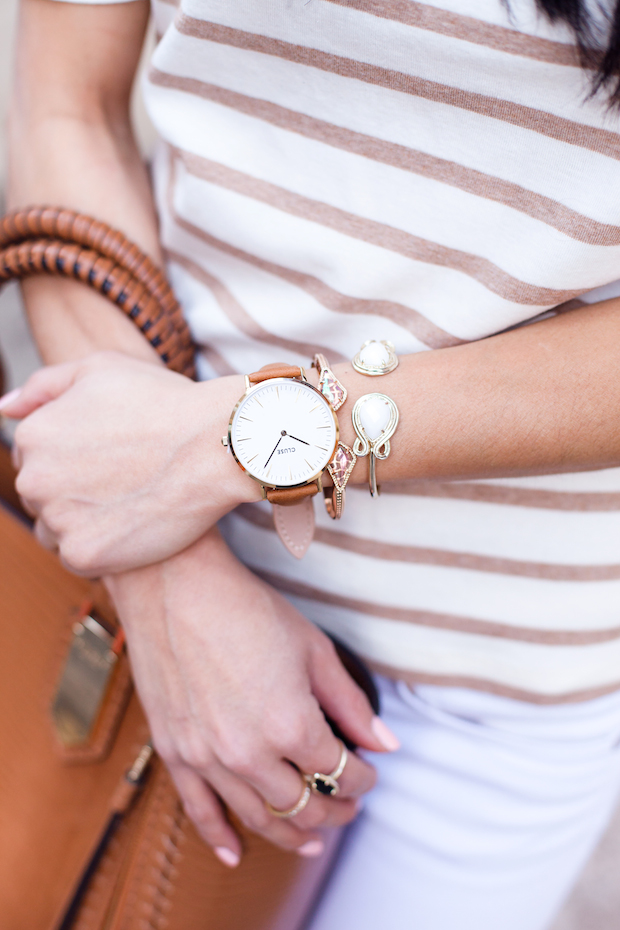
x=283, y=432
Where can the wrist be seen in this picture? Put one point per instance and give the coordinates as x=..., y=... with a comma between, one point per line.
x=217, y=470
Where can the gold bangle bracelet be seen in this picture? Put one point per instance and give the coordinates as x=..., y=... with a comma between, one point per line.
x=344, y=459
x=339, y=470
x=330, y=387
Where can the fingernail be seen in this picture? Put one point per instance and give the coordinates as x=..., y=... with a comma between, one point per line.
x=311, y=849
x=227, y=856
x=384, y=734
x=9, y=398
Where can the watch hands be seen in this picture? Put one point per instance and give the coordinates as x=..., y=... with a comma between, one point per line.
x=282, y=434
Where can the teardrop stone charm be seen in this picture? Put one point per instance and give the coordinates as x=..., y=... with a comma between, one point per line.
x=375, y=418
x=374, y=414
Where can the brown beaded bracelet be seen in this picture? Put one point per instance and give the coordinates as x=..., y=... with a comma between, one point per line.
x=56, y=241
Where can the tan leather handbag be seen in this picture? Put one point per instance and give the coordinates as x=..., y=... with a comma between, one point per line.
x=92, y=833
x=82, y=845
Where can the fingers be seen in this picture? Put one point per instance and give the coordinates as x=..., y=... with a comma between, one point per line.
x=285, y=787
x=7, y=400
x=251, y=781
x=298, y=740
x=43, y=386
x=345, y=702
x=357, y=777
x=205, y=810
x=275, y=780
x=291, y=833
x=206, y=813
x=356, y=780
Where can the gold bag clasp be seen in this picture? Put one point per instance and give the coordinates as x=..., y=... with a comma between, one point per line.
x=84, y=682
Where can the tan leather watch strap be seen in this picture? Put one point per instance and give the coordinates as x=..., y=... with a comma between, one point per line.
x=287, y=497
x=295, y=526
x=278, y=370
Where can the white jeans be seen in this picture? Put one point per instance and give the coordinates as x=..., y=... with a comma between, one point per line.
x=483, y=820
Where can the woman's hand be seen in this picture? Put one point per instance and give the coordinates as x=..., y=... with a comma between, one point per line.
x=121, y=461
x=233, y=679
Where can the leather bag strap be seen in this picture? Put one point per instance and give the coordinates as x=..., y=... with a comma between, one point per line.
x=54, y=241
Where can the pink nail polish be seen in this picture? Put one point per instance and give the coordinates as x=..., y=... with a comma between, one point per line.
x=227, y=856
x=9, y=398
x=311, y=849
x=384, y=734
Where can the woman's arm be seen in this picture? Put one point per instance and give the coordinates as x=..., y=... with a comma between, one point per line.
x=234, y=681
x=540, y=399
x=71, y=144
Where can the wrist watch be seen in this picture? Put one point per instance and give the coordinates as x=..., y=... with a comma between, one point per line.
x=283, y=433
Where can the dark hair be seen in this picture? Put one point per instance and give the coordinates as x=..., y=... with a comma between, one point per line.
x=598, y=38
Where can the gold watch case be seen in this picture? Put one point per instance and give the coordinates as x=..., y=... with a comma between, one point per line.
x=254, y=388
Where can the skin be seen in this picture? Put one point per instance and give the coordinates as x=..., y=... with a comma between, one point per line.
x=71, y=143
x=541, y=399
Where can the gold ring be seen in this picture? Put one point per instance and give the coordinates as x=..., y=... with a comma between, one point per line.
x=328, y=784
x=296, y=808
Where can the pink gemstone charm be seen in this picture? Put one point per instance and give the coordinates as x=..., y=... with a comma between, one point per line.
x=331, y=389
x=342, y=465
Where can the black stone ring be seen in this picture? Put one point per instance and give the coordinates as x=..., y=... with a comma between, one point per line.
x=327, y=785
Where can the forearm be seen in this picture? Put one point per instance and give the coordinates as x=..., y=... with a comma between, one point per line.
x=71, y=144
x=541, y=399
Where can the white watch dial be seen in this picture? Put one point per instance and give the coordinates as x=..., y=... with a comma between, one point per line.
x=284, y=432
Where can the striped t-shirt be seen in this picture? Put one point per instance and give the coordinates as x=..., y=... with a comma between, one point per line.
x=429, y=173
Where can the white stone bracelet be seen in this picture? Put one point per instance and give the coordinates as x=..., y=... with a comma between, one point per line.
x=376, y=358
x=375, y=418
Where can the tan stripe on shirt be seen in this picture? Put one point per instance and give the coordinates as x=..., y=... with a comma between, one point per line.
x=437, y=620
x=240, y=318
x=374, y=233
x=421, y=555
x=466, y=28
x=419, y=326
x=564, y=219
x=555, y=127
